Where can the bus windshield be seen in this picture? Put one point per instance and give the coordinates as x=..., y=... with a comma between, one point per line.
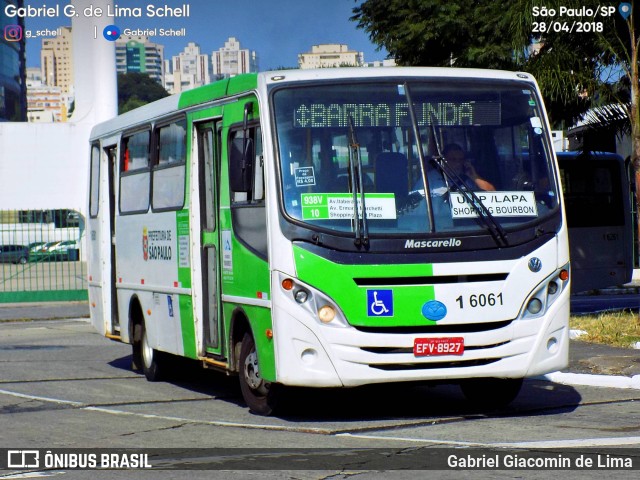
x=357, y=156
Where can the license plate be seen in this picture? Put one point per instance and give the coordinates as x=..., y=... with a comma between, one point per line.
x=425, y=347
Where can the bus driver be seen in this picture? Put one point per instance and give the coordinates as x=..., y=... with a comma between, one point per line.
x=455, y=159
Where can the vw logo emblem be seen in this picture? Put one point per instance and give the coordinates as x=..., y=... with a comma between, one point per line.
x=535, y=264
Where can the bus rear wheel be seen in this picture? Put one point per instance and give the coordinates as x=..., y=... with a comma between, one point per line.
x=261, y=397
x=491, y=392
x=150, y=359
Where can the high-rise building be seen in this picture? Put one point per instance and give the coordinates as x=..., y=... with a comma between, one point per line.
x=56, y=60
x=13, y=87
x=231, y=60
x=187, y=70
x=138, y=54
x=46, y=104
x=330, y=55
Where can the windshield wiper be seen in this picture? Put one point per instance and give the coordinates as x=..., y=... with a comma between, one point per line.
x=357, y=185
x=495, y=229
x=423, y=165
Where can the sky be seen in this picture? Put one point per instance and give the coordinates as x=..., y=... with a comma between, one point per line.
x=278, y=30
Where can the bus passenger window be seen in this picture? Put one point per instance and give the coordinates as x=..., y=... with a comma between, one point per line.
x=136, y=152
x=169, y=170
x=94, y=183
x=134, y=172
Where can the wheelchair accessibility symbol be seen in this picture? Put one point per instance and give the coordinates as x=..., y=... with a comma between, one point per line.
x=380, y=303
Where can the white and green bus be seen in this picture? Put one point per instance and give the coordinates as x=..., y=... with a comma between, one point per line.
x=304, y=228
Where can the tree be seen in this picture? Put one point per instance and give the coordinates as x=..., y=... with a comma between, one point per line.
x=137, y=89
x=481, y=34
x=586, y=57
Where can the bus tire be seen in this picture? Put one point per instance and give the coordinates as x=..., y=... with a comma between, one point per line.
x=491, y=392
x=260, y=396
x=151, y=360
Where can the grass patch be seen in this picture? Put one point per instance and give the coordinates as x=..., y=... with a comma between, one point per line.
x=618, y=329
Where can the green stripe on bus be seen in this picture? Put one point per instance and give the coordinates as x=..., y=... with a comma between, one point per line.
x=185, y=302
x=338, y=281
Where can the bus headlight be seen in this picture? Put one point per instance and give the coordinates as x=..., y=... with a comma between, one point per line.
x=546, y=293
x=534, y=306
x=326, y=314
x=301, y=295
x=316, y=303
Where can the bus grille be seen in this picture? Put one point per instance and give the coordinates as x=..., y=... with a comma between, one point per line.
x=433, y=280
x=396, y=350
x=434, y=365
x=419, y=329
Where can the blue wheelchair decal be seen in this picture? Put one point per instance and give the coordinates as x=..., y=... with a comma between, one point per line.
x=380, y=303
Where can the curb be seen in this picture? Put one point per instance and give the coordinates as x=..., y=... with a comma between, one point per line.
x=584, y=379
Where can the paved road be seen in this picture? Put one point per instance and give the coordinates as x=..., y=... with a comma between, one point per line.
x=62, y=385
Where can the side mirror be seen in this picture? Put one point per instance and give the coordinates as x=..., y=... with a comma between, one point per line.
x=241, y=159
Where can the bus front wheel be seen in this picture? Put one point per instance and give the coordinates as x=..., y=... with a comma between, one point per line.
x=260, y=396
x=491, y=392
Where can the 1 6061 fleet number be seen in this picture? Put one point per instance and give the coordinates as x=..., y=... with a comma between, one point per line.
x=480, y=300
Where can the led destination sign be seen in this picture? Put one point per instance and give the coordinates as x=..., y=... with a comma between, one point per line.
x=326, y=115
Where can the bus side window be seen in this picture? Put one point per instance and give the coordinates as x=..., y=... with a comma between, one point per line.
x=246, y=186
x=169, y=170
x=134, y=172
x=94, y=182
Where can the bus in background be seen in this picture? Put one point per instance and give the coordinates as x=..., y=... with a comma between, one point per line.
x=598, y=208
x=306, y=228
x=27, y=227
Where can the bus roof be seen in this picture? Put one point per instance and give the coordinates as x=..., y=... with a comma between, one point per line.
x=165, y=106
x=143, y=114
x=278, y=76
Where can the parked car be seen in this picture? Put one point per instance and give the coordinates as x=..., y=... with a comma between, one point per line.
x=40, y=251
x=14, y=254
x=66, y=250
x=35, y=246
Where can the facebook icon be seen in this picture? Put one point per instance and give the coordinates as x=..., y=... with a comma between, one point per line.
x=380, y=303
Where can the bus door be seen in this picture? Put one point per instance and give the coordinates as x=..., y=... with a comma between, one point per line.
x=208, y=176
x=112, y=160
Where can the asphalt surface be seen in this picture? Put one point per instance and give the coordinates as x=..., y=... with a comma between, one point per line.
x=584, y=358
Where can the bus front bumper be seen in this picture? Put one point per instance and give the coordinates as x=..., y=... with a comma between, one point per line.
x=315, y=355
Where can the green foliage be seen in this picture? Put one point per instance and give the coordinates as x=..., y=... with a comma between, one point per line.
x=137, y=89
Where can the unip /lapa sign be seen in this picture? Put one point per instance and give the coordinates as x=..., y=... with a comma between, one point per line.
x=499, y=204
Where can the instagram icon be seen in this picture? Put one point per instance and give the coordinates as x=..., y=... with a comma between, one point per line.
x=13, y=33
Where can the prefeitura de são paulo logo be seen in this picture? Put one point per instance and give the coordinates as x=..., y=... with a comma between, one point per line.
x=145, y=244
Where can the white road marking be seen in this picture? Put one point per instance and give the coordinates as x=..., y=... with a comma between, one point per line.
x=42, y=399
x=578, y=442
x=12, y=476
x=113, y=411
x=571, y=443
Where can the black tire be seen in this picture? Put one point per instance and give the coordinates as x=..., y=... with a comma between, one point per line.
x=261, y=397
x=491, y=393
x=22, y=260
x=151, y=361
